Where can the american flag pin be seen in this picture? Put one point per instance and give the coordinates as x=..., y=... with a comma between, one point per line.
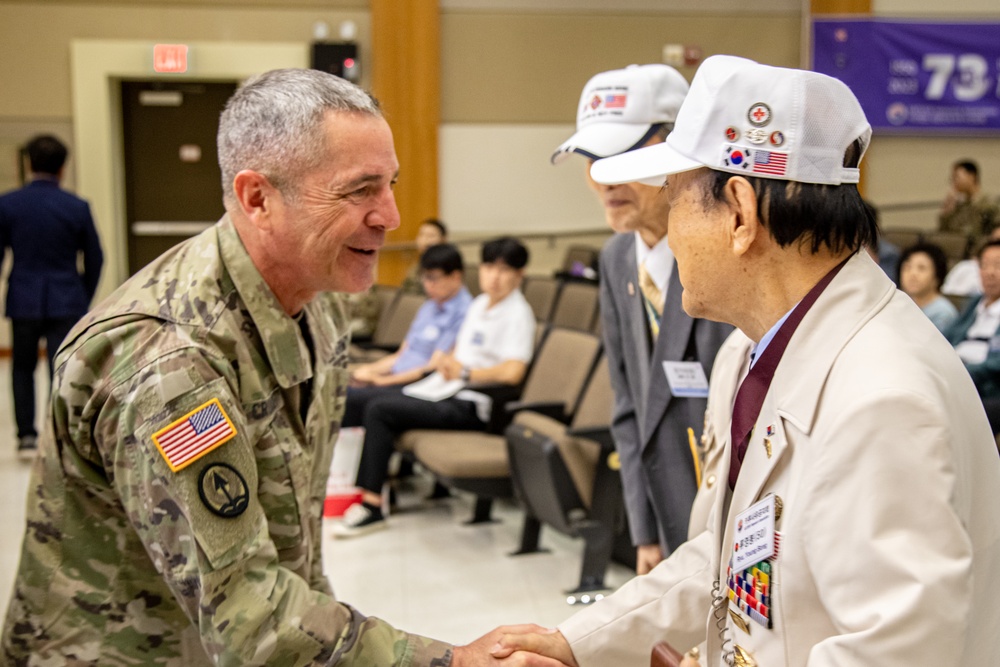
x=631, y=288
x=195, y=434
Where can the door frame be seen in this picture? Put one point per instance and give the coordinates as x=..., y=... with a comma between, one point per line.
x=96, y=68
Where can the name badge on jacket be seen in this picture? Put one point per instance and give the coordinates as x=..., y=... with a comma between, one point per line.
x=686, y=379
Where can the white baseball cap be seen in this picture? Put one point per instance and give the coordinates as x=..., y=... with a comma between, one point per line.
x=746, y=118
x=621, y=109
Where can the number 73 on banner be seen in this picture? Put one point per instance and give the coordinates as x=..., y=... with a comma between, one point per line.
x=968, y=73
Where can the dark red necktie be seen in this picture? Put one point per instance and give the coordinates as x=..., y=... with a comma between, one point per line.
x=750, y=397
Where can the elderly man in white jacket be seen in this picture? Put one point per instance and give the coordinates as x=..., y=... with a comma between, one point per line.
x=857, y=518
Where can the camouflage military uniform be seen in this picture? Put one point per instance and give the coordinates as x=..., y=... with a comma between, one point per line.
x=126, y=562
x=363, y=311
x=412, y=283
x=975, y=218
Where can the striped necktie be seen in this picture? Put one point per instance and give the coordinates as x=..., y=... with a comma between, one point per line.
x=652, y=298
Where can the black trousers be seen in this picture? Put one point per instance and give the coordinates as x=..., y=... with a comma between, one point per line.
x=389, y=415
x=24, y=349
x=358, y=399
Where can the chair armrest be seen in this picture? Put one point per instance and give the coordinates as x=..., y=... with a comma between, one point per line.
x=599, y=434
x=502, y=394
x=554, y=409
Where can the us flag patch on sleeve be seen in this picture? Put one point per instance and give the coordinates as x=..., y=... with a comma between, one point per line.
x=195, y=434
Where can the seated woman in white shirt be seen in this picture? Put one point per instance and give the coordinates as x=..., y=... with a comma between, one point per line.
x=922, y=269
x=494, y=345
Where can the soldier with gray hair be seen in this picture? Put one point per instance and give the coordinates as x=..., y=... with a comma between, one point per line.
x=174, y=516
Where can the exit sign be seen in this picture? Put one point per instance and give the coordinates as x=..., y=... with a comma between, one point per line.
x=170, y=58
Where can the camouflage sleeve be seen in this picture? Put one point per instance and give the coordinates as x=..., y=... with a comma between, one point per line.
x=204, y=527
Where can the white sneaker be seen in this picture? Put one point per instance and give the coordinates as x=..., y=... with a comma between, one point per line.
x=359, y=520
x=27, y=447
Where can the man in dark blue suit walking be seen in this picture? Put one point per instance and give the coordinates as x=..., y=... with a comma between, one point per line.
x=46, y=229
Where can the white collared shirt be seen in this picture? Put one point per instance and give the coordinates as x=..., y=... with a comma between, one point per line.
x=659, y=261
x=978, y=339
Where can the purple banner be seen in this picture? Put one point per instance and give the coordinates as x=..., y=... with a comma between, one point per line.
x=916, y=77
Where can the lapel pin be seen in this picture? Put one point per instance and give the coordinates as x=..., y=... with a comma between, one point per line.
x=759, y=115
x=756, y=135
x=742, y=657
x=739, y=621
x=767, y=446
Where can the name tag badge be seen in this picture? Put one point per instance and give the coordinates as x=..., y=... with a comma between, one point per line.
x=754, y=535
x=431, y=332
x=686, y=378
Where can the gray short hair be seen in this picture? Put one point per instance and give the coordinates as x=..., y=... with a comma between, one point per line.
x=274, y=124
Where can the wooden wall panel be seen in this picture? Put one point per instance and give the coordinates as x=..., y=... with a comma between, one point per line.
x=406, y=77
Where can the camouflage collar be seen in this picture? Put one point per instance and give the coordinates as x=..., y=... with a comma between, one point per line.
x=286, y=350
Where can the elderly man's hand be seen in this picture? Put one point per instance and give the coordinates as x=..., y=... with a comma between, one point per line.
x=536, y=640
x=510, y=645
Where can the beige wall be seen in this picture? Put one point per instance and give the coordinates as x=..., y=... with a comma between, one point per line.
x=531, y=67
x=935, y=8
x=35, y=38
x=510, y=85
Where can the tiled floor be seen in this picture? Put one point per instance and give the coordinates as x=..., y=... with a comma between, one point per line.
x=427, y=573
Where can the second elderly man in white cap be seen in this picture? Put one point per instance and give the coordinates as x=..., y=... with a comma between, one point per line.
x=654, y=348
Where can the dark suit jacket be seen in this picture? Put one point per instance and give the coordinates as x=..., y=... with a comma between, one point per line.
x=987, y=374
x=649, y=423
x=46, y=227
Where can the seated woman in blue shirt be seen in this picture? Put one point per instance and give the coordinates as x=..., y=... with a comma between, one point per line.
x=431, y=335
x=922, y=269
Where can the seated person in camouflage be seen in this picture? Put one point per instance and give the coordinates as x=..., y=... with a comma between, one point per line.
x=431, y=336
x=175, y=508
x=432, y=232
x=966, y=208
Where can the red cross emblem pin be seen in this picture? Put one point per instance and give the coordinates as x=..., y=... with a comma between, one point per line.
x=759, y=115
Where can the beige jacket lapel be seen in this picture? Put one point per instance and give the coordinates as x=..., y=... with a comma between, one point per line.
x=859, y=291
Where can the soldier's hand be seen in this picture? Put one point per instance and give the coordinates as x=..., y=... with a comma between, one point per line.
x=478, y=653
x=541, y=641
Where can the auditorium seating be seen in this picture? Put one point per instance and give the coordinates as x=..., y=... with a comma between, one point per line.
x=576, y=306
x=476, y=461
x=540, y=293
x=392, y=327
x=567, y=478
x=954, y=244
x=904, y=238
